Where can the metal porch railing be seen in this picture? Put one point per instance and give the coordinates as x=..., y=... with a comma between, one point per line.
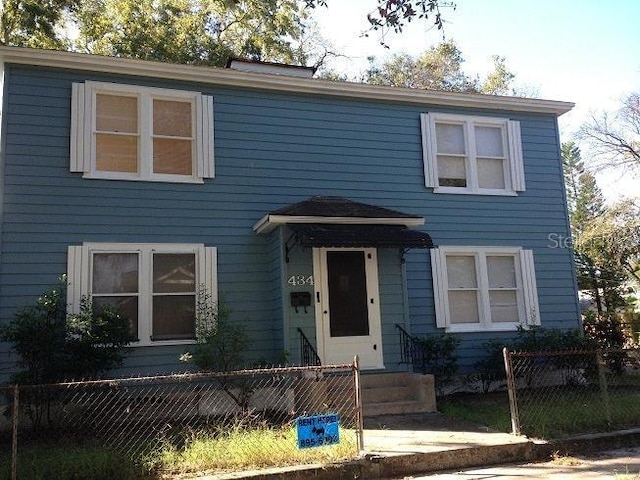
x=308, y=354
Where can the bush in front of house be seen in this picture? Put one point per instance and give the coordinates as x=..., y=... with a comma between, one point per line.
x=55, y=346
x=221, y=345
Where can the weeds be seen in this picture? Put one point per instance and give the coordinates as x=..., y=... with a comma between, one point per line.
x=239, y=449
x=221, y=450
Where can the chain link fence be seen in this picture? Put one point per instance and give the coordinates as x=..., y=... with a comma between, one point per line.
x=252, y=413
x=558, y=394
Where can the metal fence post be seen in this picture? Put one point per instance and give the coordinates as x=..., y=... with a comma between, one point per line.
x=602, y=379
x=511, y=386
x=358, y=402
x=14, y=434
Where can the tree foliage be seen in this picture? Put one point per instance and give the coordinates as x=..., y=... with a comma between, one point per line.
x=395, y=14
x=193, y=31
x=606, y=239
x=35, y=23
x=439, y=68
x=617, y=234
x=615, y=138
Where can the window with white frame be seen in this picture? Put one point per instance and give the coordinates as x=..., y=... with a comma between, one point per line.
x=154, y=285
x=475, y=155
x=484, y=288
x=130, y=132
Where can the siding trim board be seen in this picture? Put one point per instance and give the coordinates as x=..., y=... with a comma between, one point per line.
x=228, y=77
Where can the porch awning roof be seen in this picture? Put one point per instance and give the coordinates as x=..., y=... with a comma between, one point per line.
x=340, y=222
x=334, y=211
x=381, y=236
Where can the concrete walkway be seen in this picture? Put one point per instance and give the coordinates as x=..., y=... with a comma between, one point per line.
x=409, y=444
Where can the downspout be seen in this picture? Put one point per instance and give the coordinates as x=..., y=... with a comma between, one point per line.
x=3, y=143
x=405, y=294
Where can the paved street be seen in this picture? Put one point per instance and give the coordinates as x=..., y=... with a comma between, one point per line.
x=622, y=464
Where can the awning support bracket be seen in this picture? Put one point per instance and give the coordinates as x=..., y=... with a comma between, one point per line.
x=289, y=244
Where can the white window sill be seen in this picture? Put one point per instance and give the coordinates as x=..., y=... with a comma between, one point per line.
x=159, y=343
x=467, y=191
x=475, y=327
x=136, y=178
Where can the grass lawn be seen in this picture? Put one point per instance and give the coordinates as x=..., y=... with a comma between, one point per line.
x=490, y=409
x=554, y=412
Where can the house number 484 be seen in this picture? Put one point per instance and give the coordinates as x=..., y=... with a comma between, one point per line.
x=298, y=280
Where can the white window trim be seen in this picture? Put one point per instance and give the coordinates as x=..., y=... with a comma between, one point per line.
x=526, y=283
x=83, y=118
x=512, y=143
x=79, y=275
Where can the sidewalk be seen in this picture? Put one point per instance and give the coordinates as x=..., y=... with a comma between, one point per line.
x=398, y=445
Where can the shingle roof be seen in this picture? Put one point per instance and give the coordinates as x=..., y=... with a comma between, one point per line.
x=324, y=206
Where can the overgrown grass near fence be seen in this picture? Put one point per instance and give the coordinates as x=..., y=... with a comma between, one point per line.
x=212, y=452
x=151, y=426
x=61, y=459
x=229, y=452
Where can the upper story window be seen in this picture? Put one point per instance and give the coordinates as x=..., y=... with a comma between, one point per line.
x=484, y=288
x=474, y=155
x=129, y=132
x=154, y=285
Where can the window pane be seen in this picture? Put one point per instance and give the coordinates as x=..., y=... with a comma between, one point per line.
x=461, y=271
x=463, y=306
x=116, y=113
x=501, y=271
x=491, y=173
x=504, y=305
x=489, y=142
x=172, y=156
x=173, y=273
x=450, y=138
x=127, y=305
x=115, y=273
x=174, y=317
x=172, y=118
x=116, y=153
x=452, y=172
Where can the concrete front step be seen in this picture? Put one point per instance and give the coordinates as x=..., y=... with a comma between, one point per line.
x=397, y=393
x=391, y=394
x=393, y=408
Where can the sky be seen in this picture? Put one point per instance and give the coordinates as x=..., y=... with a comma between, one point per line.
x=581, y=51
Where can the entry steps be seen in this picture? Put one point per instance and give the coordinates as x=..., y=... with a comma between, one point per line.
x=396, y=393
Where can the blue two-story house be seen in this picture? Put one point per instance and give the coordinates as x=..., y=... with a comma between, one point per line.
x=329, y=210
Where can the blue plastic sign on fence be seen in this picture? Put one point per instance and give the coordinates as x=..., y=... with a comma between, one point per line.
x=318, y=431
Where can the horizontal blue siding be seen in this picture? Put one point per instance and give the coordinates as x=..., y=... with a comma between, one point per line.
x=271, y=150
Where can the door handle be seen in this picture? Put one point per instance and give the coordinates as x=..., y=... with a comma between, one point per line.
x=375, y=346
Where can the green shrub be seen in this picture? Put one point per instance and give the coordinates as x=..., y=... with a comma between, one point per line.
x=221, y=345
x=54, y=346
x=490, y=368
x=436, y=354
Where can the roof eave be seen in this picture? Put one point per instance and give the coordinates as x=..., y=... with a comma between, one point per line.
x=269, y=222
x=227, y=77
